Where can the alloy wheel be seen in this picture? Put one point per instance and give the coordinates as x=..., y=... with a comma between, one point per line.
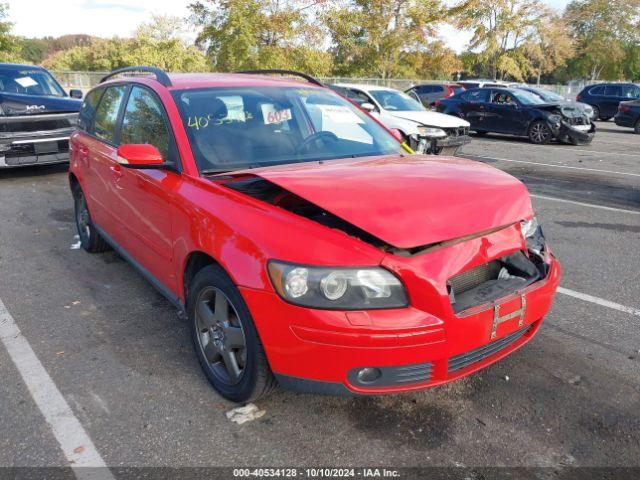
x=540, y=133
x=221, y=335
x=83, y=220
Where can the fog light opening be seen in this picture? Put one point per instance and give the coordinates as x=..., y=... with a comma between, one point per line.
x=369, y=375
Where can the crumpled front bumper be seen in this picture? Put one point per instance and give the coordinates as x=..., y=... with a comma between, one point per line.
x=441, y=145
x=571, y=134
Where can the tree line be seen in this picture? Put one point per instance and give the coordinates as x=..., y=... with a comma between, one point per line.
x=521, y=40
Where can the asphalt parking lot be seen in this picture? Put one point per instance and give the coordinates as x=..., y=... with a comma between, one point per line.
x=123, y=361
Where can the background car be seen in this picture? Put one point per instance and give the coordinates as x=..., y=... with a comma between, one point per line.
x=480, y=83
x=553, y=97
x=428, y=93
x=605, y=97
x=425, y=131
x=518, y=112
x=629, y=115
x=37, y=116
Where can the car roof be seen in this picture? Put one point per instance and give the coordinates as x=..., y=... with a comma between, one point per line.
x=17, y=66
x=185, y=81
x=361, y=86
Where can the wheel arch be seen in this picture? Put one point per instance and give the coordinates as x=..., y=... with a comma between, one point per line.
x=74, y=183
x=193, y=263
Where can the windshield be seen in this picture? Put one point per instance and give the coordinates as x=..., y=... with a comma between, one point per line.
x=527, y=98
x=237, y=128
x=548, y=96
x=396, y=101
x=30, y=82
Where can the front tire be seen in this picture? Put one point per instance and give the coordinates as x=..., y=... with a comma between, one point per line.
x=225, y=339
x=540, y=133
x=90, y=239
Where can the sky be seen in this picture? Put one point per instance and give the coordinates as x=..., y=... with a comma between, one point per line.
x=108, y=18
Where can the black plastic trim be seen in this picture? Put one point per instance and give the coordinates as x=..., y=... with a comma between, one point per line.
x=161, y=75
x=142, y=270
x=307, y=77
x=315, y=387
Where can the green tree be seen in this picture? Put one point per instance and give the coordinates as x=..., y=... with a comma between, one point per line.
x=9, y=46
x=549, y=49
x=378, y=37
x=157, y=43
x=605, y=32
x=436, y=61
x=500, y=28
x=249, y=34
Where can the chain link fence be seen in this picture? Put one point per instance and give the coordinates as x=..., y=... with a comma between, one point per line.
x=86, y=80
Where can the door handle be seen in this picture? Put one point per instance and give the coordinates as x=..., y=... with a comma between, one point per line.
x=116, y=170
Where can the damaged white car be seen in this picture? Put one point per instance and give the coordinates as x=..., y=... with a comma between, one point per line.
x=423, y=130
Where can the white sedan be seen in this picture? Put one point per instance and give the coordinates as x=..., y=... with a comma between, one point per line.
x=425, y=131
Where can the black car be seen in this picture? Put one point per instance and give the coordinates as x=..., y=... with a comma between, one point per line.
x=428, y=93
x=36, y=116
x=552, y=97
x=518, y=112
x=605, y=97
x=629, y=115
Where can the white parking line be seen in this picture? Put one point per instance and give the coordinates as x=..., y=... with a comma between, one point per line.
x=582, y=204
x=599, y=301
x=569, y=148
x=74, y=441
x=552, y=165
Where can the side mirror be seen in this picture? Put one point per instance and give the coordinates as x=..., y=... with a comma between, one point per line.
x=139, y=156
x=369, y=107
x=75, y=93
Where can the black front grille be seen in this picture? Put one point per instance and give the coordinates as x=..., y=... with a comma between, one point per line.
x=28, y=149
x=472, y=356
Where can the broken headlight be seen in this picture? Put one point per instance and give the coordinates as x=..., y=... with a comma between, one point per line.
x=333, y=288
x=532, y=233
x=431, y=132
x=556, y=120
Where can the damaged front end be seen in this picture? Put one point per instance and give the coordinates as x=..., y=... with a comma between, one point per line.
x=439, y=141
x=573, y=126
x=502, y=276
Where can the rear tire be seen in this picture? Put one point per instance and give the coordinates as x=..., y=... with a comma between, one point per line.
x=90, y=239
x=605, y=119
x=636, y=128
x=540, y=133
x=225, y=338
x=596, y=112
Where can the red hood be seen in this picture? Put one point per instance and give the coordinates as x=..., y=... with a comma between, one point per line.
x=408, y=201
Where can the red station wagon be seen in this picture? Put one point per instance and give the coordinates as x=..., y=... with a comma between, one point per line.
x=305, y=244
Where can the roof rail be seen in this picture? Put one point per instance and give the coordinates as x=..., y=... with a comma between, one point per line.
x=307, y=77
x=160, y=74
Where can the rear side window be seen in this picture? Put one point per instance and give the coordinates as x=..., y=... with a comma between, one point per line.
x=613, y=90
x=104, y=126
x=477, y=96
x=425, y=89
x=144, y=122
x=358, y=97
x=599, y=90
x=88, y=110
x=630, y=91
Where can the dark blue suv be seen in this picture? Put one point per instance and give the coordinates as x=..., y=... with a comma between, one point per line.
x=605, y=97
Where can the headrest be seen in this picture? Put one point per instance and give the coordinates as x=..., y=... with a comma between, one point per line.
x=209, y=106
